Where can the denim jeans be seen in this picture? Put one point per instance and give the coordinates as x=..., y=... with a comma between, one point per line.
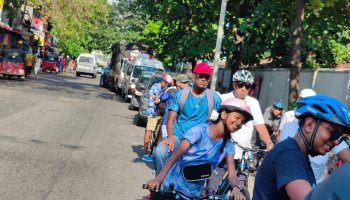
x=162, y=153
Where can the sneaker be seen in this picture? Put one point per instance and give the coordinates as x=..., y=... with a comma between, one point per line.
x=147, y=158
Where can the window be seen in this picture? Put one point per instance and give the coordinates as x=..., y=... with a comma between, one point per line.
x=85, y=59
x=129, y=70
x=140, y=69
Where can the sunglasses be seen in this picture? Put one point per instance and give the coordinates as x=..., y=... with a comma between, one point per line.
x=335, y=134
x=201, y=76
x=242, y=84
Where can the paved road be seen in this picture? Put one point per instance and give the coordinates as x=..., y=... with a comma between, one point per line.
x=63, y=137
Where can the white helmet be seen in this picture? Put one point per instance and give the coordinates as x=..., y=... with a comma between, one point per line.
x=243, y=76
x=307, y=93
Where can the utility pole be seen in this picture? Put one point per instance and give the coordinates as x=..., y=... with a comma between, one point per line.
x=219, y=37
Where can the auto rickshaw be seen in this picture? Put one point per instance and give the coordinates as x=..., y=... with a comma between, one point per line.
x=12, y=63
x=50, y=62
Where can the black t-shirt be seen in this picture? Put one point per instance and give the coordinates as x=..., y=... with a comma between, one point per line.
x=283, y=164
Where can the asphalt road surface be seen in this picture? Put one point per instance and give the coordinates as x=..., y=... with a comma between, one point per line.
x=64, y=137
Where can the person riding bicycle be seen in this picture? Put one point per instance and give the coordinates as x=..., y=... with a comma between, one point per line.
x=272, y=118
x=195, y=110
x=208, y=142
x=152, y=117
x=286, y=171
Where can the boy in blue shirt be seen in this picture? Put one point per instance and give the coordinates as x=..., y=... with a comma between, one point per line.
x=195, y=111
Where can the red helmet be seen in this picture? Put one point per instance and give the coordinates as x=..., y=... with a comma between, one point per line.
x=203, y=68
x=167, y=78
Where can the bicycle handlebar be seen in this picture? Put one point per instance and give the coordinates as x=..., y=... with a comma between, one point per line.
x=174, y=193
x=250, y=149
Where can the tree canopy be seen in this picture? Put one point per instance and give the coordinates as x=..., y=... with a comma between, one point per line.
x=186, y=29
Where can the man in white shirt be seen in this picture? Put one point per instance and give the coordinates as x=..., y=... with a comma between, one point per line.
x=242, y=82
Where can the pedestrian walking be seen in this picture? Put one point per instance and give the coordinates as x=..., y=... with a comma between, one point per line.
x=38, y=62
x=29, y=61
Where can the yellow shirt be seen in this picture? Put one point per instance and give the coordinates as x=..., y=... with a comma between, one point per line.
x=29, y=60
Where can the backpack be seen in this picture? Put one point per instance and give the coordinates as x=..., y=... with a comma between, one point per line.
x=160, y=111
x=184, y=96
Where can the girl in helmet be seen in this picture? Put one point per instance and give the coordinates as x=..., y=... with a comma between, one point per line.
x=286, y=172
x=209, y=142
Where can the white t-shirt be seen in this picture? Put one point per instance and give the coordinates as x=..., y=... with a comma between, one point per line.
x=318, y=163
x=288, y=116
x=244, y=135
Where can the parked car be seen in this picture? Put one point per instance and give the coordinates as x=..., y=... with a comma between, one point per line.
x=139, y=88
x=141, y=115
x=134, y=69
x=86, y=65
x=12, y=63
x=104, y=79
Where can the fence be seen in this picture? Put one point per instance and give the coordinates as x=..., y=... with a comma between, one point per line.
x=274, y=83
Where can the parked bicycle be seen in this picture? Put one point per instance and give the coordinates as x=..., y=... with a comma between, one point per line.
x=243, y=172
x=171, y=194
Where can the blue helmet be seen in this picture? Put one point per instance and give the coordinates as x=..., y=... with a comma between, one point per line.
x=279, y=104
x=324, y=107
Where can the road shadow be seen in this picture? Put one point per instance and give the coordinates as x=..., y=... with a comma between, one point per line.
x=138, y=149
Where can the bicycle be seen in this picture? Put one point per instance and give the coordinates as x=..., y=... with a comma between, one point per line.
x=172, y=194
x=242, y=170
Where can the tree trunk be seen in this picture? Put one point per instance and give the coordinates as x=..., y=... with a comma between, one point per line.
x=295, y=63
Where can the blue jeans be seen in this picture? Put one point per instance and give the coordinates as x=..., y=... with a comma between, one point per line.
x=161, y=154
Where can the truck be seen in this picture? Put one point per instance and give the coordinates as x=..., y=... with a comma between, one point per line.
x=122, y=54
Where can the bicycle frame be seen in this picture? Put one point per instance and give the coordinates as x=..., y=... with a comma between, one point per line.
x=242, y=173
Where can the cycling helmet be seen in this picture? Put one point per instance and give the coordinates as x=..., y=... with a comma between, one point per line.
x=307, y=93
x=324, y=107
x=279, y=104
x=238, y=105
x=167, y=78
x=243, y=76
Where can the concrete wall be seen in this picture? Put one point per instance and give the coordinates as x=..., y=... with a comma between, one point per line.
x=275, y=83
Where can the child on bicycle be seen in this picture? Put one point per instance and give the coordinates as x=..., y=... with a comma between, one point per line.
x=210, y=142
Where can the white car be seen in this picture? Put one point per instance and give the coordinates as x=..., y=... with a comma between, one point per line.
x=86, y=65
